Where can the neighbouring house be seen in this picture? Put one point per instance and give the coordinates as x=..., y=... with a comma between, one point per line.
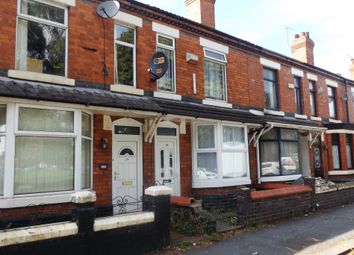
x=79, y=110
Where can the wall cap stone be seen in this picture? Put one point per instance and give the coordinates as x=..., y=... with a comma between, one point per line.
x=155, y=191
x=83, y=197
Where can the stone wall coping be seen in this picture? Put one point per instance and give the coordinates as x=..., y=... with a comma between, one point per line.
x=280, y=192
x=155, y=191
x=83, y=197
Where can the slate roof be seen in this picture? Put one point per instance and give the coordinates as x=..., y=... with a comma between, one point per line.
x=347, y=126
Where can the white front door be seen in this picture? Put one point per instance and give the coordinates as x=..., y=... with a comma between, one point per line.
x=125, y=176
x=167, y=163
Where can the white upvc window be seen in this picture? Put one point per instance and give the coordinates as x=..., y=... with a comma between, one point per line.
x=220, y=155
x=2, y=146
x=166, y=44
x=42, y=32
x=125, y=55
x=215, y=82
x=48, y=150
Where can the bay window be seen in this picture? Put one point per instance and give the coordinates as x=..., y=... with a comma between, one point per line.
x=215, y=75
x=166, y=45
x=220, y=155
x=41, y=37
x=279, y=153
x=45, y=142
x=349, y=150
x=125, y=55
x=335, y=152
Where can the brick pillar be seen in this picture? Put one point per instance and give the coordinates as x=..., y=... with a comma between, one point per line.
x=157, y=200
x=243, y=206
x=85, y=211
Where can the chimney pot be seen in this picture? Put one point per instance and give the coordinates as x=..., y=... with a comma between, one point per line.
x=302, y=48
x=201, y=11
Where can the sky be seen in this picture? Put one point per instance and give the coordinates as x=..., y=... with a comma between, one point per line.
x=272, y=24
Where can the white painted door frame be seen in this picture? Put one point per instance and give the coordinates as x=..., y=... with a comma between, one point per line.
x=128, y=138
x=169, y=124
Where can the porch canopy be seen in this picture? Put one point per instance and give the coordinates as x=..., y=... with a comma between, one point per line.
x=337, y=128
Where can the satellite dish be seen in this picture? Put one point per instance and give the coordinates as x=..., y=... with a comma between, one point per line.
x=108, y=9
x=158, y=65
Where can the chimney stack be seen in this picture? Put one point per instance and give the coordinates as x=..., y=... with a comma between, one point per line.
x=351, y=70
x=302, y=48
x=201, y=11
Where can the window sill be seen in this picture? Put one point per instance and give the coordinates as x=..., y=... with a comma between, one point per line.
x=217, y=103
x=65, y=2
x=300, y=116
x=166, y=95
x=335, y=121
x=256, y=112
x=26, y=200
x=273, y=112
x=316, y=118
x=220, y=184
x=47, y=78
x=127, y=89
x=341, y=172
x=281, y=178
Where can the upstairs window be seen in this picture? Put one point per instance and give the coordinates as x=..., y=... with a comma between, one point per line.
x=41, y=38
x=332, y=102
x=313, y=107
x=125, y=55
x=166, y=45
x=297, y=89
x=270, y=89
x=215, y=75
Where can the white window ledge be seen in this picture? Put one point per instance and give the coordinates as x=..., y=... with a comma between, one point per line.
x=129, y=19
x=41, y=77
x=316, y=118
x=122, y=221
x=256, y=112
x=332, y=83
x=37, y=233
x=166, y=95
x=297, y=72
x=127, y=89
x=220, y=183
x=272, y=112
x=65, y=2
x=281, y=178
x=335, y=121
x=270, y=64
x=300, y=116
x=166, y=30
x=27, y=200
x=213, y=45
x=341, y=172
x=312, y=77
x=217, y=103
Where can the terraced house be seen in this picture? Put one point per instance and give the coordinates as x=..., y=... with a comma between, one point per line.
x=79, y=110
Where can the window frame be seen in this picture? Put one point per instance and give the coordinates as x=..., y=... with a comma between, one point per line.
x=65, y=26
x=333, y=97
x=172, y=48
x=218, y=149
x=12, y=132
x=276, y=87
x=313, y=95
x=279, y=141
x=220, y=62
x=125, y=44
x=298, y=94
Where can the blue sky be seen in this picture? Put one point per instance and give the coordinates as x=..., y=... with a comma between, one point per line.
x=264, y=22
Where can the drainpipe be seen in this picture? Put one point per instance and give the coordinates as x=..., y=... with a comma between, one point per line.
x=347, y=104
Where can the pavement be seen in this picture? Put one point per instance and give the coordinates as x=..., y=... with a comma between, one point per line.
x=329, y=232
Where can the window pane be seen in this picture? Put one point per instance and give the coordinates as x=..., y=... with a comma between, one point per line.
x=330, y=91
x=214, y=80
x=312, y=85
x=332, y=107
x=269, y=74
x=348, y=146
x=335, y=157
x=166, y=131
x=233, y=138
x=288, y=134
x=234, y=165
x=124, y=130
x=43, y=11
x=289, y=158
x=40, y=48
x=269, y=158
x=45, y=120
x=2, y=118
x=165, y=41
x=124, y=34
x=44, y=164
x=206, y=166
x=85, y=164
x=86, y=125
x=212, y=54
x=125, y=65
x=206, y=137
x=270, y=135
x=167, y=81
x=313, y=104
x=2, y=164
x=270, y=95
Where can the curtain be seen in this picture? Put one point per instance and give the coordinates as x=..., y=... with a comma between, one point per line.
x=207, y=165
x=44, y=164
x=233, y=138
x=167, y=81
x=269, y=158
x=290, y=158
x=214, y=80
x=206, y=137
x=335, y=157
x=234, y=164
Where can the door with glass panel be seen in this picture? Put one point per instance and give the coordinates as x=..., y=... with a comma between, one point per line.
x=166, y=159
